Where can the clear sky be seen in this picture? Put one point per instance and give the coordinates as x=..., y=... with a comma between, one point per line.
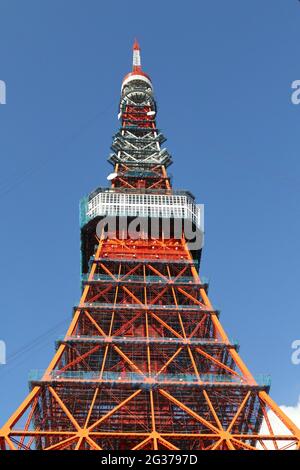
x=222, y=72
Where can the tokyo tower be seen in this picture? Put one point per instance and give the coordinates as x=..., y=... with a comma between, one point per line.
x=145, y=363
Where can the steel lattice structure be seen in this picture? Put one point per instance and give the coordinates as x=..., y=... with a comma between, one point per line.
x=145, y=363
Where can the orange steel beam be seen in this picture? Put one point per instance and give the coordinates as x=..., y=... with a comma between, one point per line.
x=30, y=416
x=241, y=407
x=153, y=421
x=184, y=269
x=212, y=410
x=166, y=325
x=92, y=443
x=243, y=445
x=127, y=325
x=126, y=359
x=61, y=444
x=116, y=408
x=153, y=301
x=194, y=365
x=166, y=177
x=280, y=414
x=79, y=359
x=130, y=272
x=98, y=328
x=157, y=272
x=91, y=407
x=167, y=444
x=266, y=418
x=198, y=326
x=65, y=409
x=169, y=361
x=189, y=411
x=20, y=410
x=215, y=361
x=142, y=444
x=132, y=295
x=189, y=296
x=108, y=271
x=265, y=437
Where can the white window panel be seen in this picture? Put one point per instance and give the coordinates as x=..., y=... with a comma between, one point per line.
x=134, y=205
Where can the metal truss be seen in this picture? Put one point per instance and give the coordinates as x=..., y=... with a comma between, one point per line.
x=145, y=363
x=138, y=141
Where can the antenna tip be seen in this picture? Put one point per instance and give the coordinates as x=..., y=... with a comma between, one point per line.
x=136, y=46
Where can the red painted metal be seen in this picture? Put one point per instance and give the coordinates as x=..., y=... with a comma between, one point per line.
x=145, y=363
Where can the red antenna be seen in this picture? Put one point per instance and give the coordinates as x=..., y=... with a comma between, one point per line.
x=136, y=72
x=136, y=58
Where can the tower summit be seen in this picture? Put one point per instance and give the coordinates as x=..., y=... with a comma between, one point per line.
x=136, y=60
x=145, y=363
x=137, y=72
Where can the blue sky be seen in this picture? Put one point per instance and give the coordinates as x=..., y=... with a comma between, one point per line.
x=222, y=72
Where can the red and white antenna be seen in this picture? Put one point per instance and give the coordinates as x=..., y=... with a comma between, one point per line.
x=136, y=57
x=137, y=73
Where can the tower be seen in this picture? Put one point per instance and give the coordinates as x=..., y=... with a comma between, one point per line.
x=145, y=363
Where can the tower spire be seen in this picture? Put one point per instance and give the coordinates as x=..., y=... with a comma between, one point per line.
x=137, y=73
x=136, y=57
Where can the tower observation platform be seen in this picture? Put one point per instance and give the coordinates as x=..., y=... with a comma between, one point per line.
x=145, y=363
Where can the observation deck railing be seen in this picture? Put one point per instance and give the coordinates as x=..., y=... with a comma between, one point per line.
x=147, y=279
x=107, y=203
x=169, y=307
x=194, y=341
x=147, y=379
